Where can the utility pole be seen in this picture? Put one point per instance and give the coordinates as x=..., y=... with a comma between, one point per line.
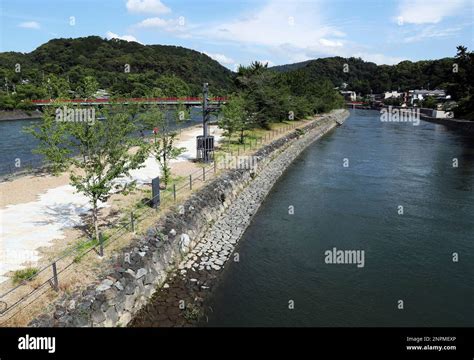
x=205, y=142
x=205, y=109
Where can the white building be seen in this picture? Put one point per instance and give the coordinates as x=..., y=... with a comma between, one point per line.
x=420, y=95
x=101, y=94
x=392, y=95
x=349, y=95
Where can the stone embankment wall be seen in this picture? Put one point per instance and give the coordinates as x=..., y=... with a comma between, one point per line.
x=462, y=125
x=225, y=206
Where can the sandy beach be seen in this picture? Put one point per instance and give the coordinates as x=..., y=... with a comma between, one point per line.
x=35, y=211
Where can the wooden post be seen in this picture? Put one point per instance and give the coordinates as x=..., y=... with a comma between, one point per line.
x=190, y=182
x=55, y=277
x=101, y=245
x=174, y=192
x=203, y=174
x=132, y=222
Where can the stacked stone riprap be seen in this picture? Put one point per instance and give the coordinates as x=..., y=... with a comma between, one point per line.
x=195, y=241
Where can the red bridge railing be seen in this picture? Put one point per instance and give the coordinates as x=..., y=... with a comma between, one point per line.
x=136, y=100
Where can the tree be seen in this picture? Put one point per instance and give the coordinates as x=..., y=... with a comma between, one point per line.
x=56, y=87
x=162, y=146
x=463, y=89
x=100, y=152
x=52, y=142
x=430, y=103
x=172, y=86
x=87, y=87
x=266, y=94
x=234, y=117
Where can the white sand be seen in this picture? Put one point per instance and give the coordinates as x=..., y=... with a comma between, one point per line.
x=28, y=226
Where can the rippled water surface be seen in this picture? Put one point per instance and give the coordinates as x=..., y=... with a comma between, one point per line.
x=407, y=257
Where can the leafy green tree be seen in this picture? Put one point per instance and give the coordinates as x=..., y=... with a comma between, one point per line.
x=56, y=87
x=462, y=88
x=87, y=87
x=172, y=86
x=7, y=102
x=234, y=117
x=162, y=147
x=430, y=103
x=103, y=156
x=52, y=142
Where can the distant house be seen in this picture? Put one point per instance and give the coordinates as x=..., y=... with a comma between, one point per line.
x=101, y=94
x=376, y=97
x=349, y=95
x=392, y=95
x=420, y=95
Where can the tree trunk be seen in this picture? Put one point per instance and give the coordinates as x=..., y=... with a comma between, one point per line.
x=165, y=164
x=95, y=219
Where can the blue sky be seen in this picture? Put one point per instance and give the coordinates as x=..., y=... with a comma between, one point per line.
x=238, y=32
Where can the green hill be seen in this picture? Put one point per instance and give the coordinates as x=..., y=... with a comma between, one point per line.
x=73, y=59
x=366, y=77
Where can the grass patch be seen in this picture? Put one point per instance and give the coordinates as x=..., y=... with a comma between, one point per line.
x=24, y=275
x=192, y=313
x=85, y=245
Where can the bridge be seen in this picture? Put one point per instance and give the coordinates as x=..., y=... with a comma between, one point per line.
x=188, y=101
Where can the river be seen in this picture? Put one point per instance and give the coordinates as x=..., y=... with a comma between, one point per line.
x=282, y=278
x=16, y=144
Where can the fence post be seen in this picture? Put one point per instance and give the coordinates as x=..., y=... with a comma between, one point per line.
x=190, y=181
x=215, y=166
x=203, y=174
x=55, y=277
x=174, y=192
x=155, y=192
x=132, y=222
x=101, y=245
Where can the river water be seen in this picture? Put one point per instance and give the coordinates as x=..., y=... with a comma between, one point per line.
x=16, y=144
x=282, y=278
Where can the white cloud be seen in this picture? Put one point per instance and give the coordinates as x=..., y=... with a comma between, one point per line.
x=428, y=11
x=169, y=25
x=110, y=35
x=154, y=22
x=147, y=7
x=275, y=24
x=330, y=43
x=30, y=25
x=431, y=32
x=292, y=30
x=221, y=58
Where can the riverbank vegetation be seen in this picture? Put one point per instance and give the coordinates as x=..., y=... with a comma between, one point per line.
x=264, y=96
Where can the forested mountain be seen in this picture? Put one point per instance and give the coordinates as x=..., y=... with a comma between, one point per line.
x=106, y=60
x=290, y=67
x=366, y=77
